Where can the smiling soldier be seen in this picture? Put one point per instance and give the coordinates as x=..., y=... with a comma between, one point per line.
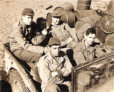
x=84, y=50
x=66, y=35
x=25, y=39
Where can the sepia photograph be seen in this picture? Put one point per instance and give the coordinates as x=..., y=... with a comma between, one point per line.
x=56, y=45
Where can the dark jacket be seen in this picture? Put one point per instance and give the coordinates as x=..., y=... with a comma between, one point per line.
x=26, y=37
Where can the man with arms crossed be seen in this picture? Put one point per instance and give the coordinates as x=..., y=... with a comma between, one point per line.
x=53, y=68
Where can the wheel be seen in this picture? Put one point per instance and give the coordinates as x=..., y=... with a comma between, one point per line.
x=16, y=82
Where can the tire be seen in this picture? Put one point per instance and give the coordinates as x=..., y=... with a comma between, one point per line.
x=17, y=83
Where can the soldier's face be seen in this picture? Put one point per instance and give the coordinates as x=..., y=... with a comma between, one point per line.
x=54, y=50
x=90, y=39
x=55, y=20
x=27, y=19
x=43, y=24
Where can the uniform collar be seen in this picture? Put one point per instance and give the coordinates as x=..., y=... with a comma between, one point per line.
x=51, y=58
x=90, y=48
x=83, y=44
x=21, y=23
x=55, y=25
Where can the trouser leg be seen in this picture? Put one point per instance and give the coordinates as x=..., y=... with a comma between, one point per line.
x=83, y=80
x=27, y=56
x=52, y=88
x=30, y=57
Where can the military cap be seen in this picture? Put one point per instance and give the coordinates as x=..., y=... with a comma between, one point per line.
x=54, y=41
x=109, y=41
x=56, y=14
x=27, y=11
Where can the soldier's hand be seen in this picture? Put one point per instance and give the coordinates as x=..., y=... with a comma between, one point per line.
x=69, y=40
x=65, y=49
x=44, y=32
x=54, y=74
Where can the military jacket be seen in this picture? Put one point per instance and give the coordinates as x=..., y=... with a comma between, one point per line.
x=83, y=54
x=26, y=37
x=63, y=32
x=47, y=64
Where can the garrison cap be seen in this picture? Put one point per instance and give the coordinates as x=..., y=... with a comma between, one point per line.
x=27, y=11
x=56, y=14
x=54, y=41
x=109, y=41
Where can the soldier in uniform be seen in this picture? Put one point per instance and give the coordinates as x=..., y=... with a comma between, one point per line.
x=66, y=35
x=86, y=50
x=25, y=38
x=53, y=68
x=83, y=52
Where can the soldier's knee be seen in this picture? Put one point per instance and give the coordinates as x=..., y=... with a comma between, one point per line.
x=37, y=57
x=52, y=88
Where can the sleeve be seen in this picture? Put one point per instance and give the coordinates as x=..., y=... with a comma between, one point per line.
x=38, y=39
x=78, y=56
x=11, y=35
x=63, y=43
x=44, y=70
x=25, y=44
x=72, y=32
x=99, y=51
x=67, y=67
x=66, y=70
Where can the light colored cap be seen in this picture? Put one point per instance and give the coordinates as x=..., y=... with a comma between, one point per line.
x=56, y=14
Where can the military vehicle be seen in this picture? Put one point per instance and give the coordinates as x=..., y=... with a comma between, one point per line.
x=102, y=67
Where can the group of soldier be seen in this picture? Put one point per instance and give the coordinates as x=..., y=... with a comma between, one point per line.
x=47, y=48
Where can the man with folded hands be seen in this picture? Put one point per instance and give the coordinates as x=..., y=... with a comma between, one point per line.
x=54, y=68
